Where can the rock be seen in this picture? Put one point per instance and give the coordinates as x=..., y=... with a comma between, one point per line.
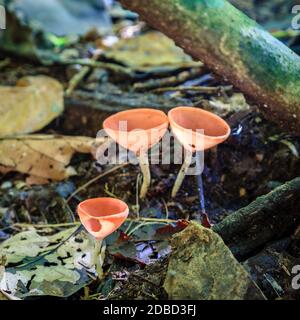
x=202, y=267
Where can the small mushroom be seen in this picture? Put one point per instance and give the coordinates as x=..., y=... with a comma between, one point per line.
x=101, y=217
x=197, y=130
x=138, y=130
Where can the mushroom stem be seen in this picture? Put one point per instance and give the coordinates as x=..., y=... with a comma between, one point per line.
x=144, y=164
x=98, y=257
x=181, y=174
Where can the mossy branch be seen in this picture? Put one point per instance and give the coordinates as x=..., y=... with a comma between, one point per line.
x=267, y=218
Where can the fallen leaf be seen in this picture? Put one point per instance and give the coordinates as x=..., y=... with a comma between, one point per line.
x=43, y=156
x=30, y=105
x=34, y=180
x=170, y=229
x=148, y=51
x=61, y=272
x=148, y=243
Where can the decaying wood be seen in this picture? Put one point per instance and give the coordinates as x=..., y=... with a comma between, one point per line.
x=267, y=218
x=235, y=47
x=119, y=101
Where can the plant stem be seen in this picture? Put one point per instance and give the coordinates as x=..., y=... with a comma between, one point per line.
x=78, y=77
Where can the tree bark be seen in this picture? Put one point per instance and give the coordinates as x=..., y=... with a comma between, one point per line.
x=235, y=47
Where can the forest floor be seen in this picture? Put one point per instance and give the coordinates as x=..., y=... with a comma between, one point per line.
x=257, y=158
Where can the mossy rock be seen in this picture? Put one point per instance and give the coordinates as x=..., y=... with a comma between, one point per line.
x=202, y=267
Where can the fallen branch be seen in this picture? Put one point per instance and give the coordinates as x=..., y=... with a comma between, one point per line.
x=267, y=218
x=96, y=64
x=174, y=80
x=235, y=47
x=119, y=101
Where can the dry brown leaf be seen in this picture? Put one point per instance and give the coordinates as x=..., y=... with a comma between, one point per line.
x=34, y=180
x=43, y=156
x=30, y=105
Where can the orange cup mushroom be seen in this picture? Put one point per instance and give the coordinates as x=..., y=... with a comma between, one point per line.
x=197, y=130
x=138, y=130
x=101, y=217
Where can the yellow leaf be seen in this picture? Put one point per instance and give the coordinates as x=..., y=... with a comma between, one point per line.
x=30, y=105
x=148, y=51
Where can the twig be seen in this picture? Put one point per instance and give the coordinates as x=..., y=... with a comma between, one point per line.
x=42, y=226
x=153, y=220
x=199, y=89
x=68, y=209
x=70, y=224
x=96, y=64
x=101, y=175
x=78, y=77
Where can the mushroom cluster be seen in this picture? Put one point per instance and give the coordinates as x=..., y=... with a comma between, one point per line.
x=138, y=130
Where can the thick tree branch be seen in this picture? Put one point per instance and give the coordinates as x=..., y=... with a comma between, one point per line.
x=267, y=218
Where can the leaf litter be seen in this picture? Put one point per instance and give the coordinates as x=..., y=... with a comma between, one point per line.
x=40, y=266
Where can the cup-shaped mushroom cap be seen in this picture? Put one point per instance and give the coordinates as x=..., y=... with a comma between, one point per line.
x=102, y=216
x=197, y=129
x=137, y=129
